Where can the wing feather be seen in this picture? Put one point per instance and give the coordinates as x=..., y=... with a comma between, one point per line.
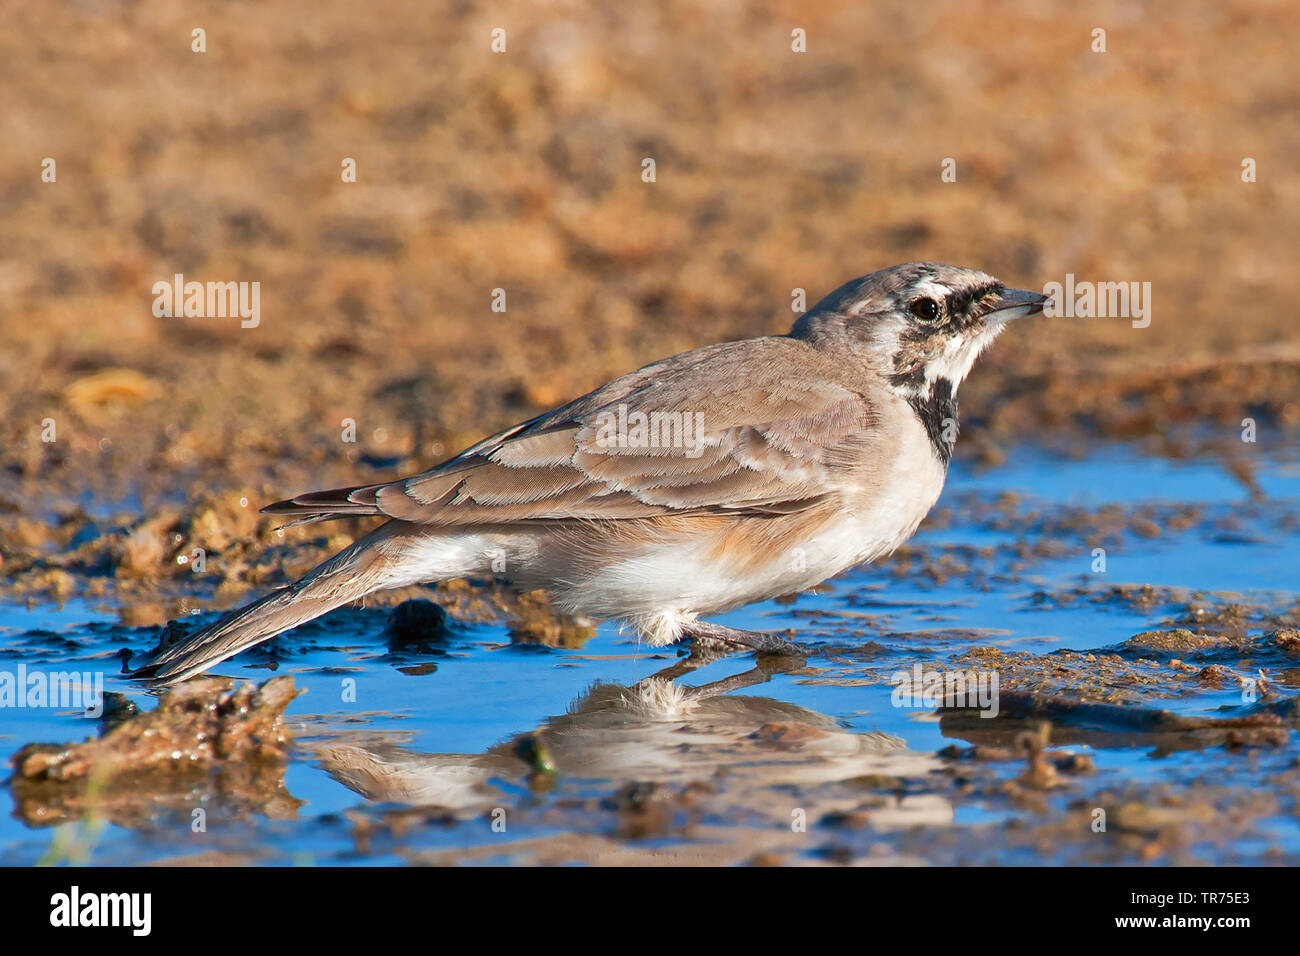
x=764, y=444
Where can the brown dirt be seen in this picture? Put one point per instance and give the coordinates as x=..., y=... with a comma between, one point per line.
x=210, y=735
x=521, y=171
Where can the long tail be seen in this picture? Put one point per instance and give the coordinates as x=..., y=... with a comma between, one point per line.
x=352, y=573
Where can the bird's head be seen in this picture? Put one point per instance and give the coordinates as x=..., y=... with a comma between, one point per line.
x=920, y=325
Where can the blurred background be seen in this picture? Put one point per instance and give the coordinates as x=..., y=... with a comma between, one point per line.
x=522, y=170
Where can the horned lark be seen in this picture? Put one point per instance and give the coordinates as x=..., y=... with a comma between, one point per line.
x=693, y=486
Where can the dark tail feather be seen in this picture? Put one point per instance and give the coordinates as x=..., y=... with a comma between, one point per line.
x=324, y=505
x=352, y=573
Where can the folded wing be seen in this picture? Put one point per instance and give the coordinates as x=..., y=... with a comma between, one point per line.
x=712, y=431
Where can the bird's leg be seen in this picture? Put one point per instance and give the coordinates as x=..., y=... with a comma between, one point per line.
x=709, y=647
x=756, y=640
x=761, y=673
x=697, y=658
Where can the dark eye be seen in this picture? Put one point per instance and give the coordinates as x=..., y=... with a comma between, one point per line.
x=927, y=310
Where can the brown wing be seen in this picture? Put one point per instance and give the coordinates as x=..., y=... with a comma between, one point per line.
x=668, y=439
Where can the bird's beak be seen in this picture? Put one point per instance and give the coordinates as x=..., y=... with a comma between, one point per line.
x=1015, y=304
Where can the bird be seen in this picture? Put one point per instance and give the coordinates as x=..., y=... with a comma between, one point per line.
x=693, y=486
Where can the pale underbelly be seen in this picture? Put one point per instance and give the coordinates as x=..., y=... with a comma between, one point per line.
x=696, y=577
x=656, y=577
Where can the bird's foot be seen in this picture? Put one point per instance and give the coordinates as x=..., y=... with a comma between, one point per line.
x=703, y=632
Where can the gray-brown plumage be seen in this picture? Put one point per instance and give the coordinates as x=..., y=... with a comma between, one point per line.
x=770, y=444
x=764, y=467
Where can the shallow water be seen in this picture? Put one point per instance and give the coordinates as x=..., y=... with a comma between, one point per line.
x=718, y=779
